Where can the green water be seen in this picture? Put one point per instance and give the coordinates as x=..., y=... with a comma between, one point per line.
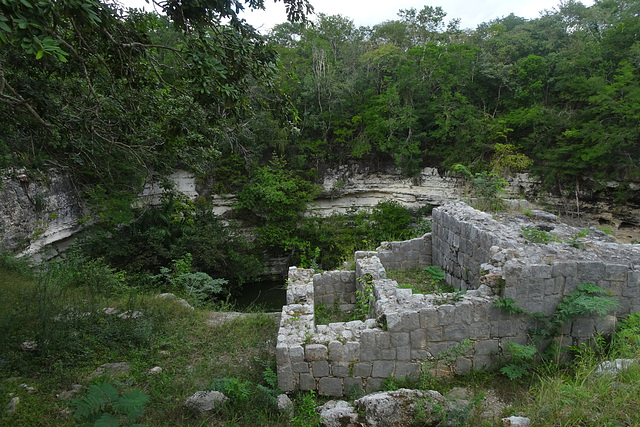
x=269, y=295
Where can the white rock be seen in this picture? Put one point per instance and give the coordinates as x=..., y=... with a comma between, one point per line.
x=180, y=301
x=338, y=413
x=285, y=405
x=514, y=421
x=12, y=405
x=155, y=370
x=613, y=367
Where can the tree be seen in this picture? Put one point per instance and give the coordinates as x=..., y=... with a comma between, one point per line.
x=116, y=95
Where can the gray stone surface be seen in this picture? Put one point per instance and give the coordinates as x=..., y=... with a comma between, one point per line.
x=338, y=413
x=205, y=401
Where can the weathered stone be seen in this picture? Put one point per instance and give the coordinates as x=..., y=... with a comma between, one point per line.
x=382, y=369
x=12, y=406
x=514, y=421
x=315, y=352
x=205, y=401
x=399, y=407
x=117, y=369
x=330, y=386
x=307, y=382
x=338, y=413
x=320, y=368
x=285, y=405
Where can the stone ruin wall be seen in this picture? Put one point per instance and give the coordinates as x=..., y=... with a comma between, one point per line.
x=405, y=329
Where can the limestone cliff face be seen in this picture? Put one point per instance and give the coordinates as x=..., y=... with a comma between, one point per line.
x=37, y=213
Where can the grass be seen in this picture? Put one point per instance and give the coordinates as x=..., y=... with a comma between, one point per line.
x=325, y=315
x=429, y=280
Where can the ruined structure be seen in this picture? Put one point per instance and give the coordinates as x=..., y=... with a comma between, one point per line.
x=488, y=258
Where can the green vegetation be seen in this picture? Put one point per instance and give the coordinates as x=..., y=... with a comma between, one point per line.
x=427, y=280
x=586, y=299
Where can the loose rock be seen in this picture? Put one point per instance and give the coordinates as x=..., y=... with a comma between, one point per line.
x=112, y=369
x=180, y=301
x=338, y=413
x=12, y=405
x=514, y=421
x=205, y=401
x=400, y=407
x=285, y=405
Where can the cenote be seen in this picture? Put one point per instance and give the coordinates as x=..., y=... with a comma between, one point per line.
x=269, y=295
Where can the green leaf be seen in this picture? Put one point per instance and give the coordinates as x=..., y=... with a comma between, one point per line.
x=26, y=3
x=40, y=54
x=4, y=27
x=107, y=420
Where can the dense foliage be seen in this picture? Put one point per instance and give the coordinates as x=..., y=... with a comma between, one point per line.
x=562, y=89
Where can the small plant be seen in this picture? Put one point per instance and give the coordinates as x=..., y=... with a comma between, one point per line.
x=535, y=235
x=449, y=297
x=105, y=406
x=364, y=299
x=305, y=412
x=508, y=305
x=521, y=360
x=448, y=358
x=199, y=287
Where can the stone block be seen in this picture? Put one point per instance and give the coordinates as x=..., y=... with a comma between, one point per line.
x=336, y=351
x=388, y=354
x=383, y=340
x=463, y=365
x=583, y=327
x=320, y=368
x=369, y=354
x=362, y=369
x=564, y=269
x=418, y=339
x=419, y=354
x=296, y=354
x=282, y=354
x=368, y=339
x=399, y=339
x=339, y=369
x=428, y=318
x=502, y=329
x=382, y=369
x=407, y=370
x=590, y=271
x=286, y=378
x=446, y=315
x=353, y=387
x=487, y=347
x=307, y=382
x=300, y=367
x=616, y=272
x=403, y=353
x=330, y=386
x=351, y=351
x=315, y=352
x=431, y=334
x=373, y=384
x=456, y=333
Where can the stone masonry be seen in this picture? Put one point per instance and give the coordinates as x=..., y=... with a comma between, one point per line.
x=408, y=332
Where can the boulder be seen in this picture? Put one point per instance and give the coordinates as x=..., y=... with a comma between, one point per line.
x=401, y=407
x=514, y=421
x=112, y=369
x=178, y=300
x=205, y=401
x=285, y=405
x=338, y=413
x=12, y=406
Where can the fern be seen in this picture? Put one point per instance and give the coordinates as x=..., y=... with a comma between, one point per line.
x=104, y=407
